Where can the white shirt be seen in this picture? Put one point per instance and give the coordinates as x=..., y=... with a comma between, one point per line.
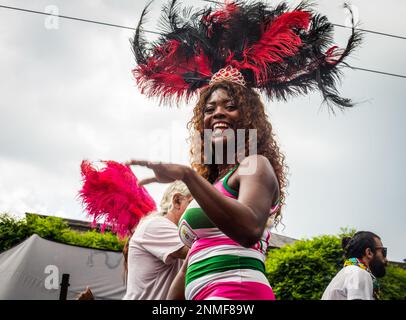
x=151, y=270
x=351, y=283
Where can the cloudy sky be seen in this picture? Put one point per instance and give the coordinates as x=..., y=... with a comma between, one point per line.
x=67, y=94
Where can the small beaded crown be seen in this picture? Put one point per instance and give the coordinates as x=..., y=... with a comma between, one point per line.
x=228, y=73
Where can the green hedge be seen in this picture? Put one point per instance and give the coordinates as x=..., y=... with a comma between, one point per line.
x=303, y=269
x=394, y=283
x=14, y=231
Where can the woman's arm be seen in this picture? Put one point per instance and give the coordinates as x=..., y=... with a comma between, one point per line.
x=243, y=220
x=177, y=289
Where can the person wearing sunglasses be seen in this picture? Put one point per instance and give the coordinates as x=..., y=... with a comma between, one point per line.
x=365, y=262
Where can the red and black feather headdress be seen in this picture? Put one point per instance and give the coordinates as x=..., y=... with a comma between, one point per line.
x=280, y=51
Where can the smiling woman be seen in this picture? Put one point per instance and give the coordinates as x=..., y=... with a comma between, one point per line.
x=225, y=223
x=223, y=54
x=227, y=105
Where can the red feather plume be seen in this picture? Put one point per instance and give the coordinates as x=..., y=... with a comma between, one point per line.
x=276, y=43
x=219, y=17
x=163, y=74
x=113, y=193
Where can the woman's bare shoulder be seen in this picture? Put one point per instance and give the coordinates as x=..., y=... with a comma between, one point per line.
x=256, y=164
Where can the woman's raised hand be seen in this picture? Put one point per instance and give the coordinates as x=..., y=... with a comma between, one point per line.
x=164, y=172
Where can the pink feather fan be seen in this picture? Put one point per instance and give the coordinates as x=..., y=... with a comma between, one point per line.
x=113, y=193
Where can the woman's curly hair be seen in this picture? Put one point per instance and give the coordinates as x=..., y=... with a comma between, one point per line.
x=252, y=116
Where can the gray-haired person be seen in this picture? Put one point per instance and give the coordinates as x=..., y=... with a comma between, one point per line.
x=155, y=251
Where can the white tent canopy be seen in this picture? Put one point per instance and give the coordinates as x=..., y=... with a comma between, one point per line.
x=33, y=270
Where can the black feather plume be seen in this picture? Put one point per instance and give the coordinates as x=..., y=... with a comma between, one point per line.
x=282, y=52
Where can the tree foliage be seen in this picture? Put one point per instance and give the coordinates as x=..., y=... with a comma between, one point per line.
x=394, y=283
x=303, y=270
x=13, y=231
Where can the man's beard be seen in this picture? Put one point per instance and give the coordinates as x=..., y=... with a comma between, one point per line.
x=377, y=267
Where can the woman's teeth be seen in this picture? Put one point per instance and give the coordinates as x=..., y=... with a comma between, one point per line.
x=220, y=125
x=219, y=128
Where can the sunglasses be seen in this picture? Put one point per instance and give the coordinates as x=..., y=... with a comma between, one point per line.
x=384, y=251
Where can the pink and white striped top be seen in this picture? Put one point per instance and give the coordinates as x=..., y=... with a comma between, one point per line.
x=219, y=267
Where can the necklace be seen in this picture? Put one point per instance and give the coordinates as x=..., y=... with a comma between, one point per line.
x=361, y=264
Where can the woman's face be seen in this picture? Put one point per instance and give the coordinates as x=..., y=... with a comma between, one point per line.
x=219, y=114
